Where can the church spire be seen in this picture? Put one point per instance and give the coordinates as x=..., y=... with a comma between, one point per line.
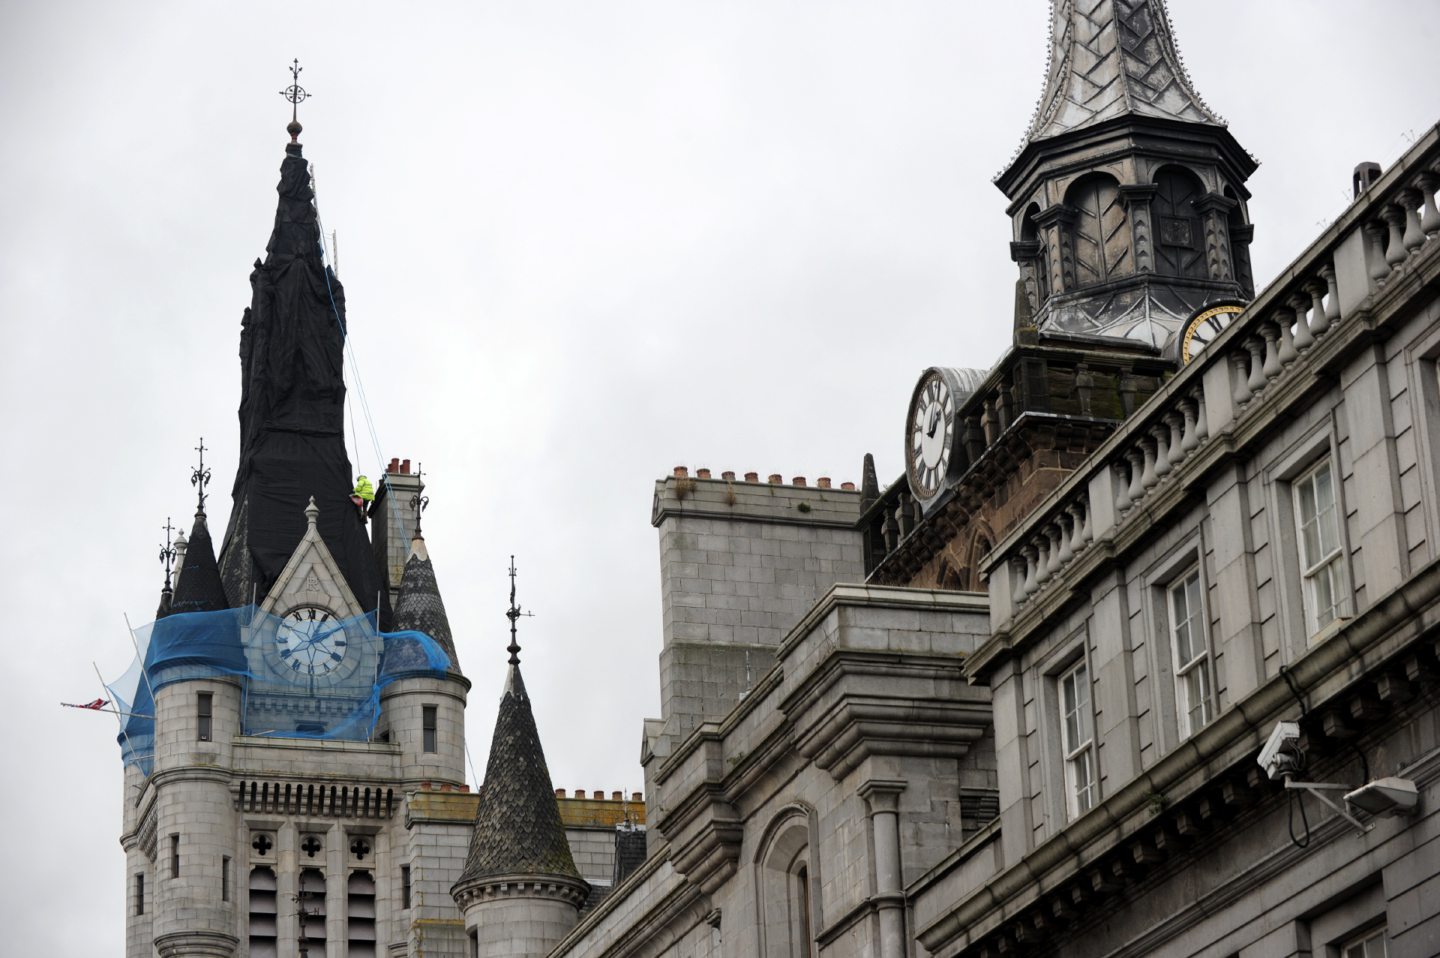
x=292, y=404
x=1109, y=59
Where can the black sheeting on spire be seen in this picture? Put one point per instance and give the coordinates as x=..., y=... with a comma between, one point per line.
x=517, y=825
x=292, y=410
x=199, y=588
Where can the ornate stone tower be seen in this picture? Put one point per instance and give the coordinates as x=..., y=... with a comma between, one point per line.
x=300, y=755
x=1127, y=195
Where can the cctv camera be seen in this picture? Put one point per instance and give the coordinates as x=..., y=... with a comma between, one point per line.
x=1282, y=754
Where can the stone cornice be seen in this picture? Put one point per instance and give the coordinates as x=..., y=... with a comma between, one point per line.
x=196, y=944
x=854, y=706
x=480, y=891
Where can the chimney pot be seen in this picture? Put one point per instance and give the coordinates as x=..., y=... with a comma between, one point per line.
x=579, y=793
x=559, y=793
x=636, y=797
x=681, y=472
x=752, y=477
x=728, y=476
x=776, y=478
x=617, y=796
x=798, y=480
x=703, y=473
x=405, y=467
x=823, y=482
x=394, y=465
x=848, y=486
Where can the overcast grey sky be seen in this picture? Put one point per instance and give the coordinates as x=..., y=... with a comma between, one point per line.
x=582, y=243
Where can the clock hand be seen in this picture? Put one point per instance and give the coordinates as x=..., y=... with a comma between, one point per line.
x=934, y=422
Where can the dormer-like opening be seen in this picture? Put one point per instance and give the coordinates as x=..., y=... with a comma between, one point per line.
x=1100, y=233
x=1179, y=233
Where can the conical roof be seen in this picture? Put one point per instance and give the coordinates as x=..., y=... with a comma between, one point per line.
x=517, y=826
x=199, y=588
x=1110, y=58
x=419, y=607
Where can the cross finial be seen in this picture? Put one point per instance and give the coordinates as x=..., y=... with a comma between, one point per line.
x=296, y=94
x=417, y=501
x=200, y=478
x=167, y=552
x=513, y=614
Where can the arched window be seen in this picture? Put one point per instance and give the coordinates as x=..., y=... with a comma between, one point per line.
x=263, y=912
x=360, y=915
x=786, y=890
x=311, y=908
x=1179, y=234
x=1101, y=232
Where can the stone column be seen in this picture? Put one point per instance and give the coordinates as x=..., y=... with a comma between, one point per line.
x=1240, y=240
x=1137, y=199
x=882, y=804
x=1214, y=211
x=1027, y=255
x=1060, y=253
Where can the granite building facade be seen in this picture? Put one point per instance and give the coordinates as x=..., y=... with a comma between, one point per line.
x=1012, y=702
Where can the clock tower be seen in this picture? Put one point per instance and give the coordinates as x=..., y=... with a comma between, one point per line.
x=1131, y=234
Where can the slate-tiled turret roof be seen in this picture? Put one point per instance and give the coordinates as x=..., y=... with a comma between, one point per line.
x=517, y=825
x=419, y=606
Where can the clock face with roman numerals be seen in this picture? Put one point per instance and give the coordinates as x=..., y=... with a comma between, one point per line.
x=1202, y=330
x=930, y=435
x=310, y=642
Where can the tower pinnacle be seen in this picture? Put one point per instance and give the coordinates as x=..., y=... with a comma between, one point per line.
x=296, y=94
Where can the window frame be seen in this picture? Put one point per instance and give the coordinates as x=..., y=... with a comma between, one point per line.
x=1198, y=663
x=204, y=716
x=1080, y=754
x=429, y=729
x=1362, y=939
x=1331, y=563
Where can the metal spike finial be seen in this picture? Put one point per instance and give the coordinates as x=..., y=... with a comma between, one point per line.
x=167, y=552
x=513, y=614
x=200, y=478
x=296, y=94
x=419, y=502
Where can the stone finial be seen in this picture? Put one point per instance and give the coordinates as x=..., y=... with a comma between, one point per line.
x=312, y=513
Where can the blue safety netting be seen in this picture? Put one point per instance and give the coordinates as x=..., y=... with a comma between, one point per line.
x=302, y=674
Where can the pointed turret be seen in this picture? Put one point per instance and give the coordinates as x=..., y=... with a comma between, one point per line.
x=292, y=443
x=517, y=826
x=519, y=867
x=198, y=587
x=419, y=607
x=1128, y=193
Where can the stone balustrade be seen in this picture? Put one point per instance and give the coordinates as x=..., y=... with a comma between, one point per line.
x=1391, y=223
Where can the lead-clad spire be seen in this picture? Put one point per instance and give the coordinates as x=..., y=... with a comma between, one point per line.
x=292, y=408
x=1109, y=58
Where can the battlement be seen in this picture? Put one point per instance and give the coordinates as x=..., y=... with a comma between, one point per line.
x=750, y=499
